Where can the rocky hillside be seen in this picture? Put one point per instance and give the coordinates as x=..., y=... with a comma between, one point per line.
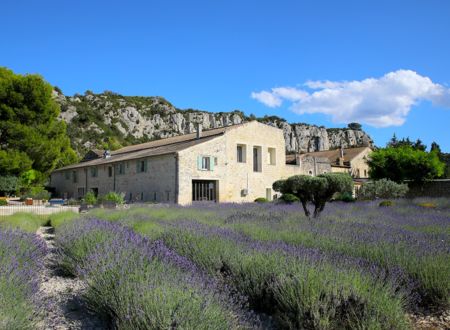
x=109, y=120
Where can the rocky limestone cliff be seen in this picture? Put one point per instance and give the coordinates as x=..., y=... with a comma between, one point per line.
x=109, y=120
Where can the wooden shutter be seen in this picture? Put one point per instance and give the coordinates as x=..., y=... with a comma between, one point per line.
x=145, y=165
x=199, y=162
x=138, y=163
x=211, y=163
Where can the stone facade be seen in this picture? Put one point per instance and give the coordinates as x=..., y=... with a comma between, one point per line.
x=214, y=164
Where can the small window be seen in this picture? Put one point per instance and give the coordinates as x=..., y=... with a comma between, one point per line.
x=154, y=196
x=121, y=168
x=257, y=159
x=110, y=171
x=365, y=173
x=141, y=166
x=310, y=173
x=271, y=156
x=241, y=153
x=67, y=175
x=168, y=196
x=94, y=172
x=206, y=163
x=74, y=176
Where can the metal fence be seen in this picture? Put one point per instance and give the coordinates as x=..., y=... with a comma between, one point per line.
x=35, y=209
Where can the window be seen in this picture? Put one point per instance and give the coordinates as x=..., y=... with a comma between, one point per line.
x=110, y=171
x=168, y=196
x=94, y=172
x=358, y=174
x=141, y=166
x=271, y=156
x=365, y=173
x=257, y=159
x=67, y=175
x=80, y=192
x=310, y=173
x=241, y=153
x=121, y=168
x=206, y=163
x=74, y=176
x=269, y=194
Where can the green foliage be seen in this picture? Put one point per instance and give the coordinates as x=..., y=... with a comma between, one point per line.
x=404, y=163
x=28, y=222
x=289, y=198
x=9, y=185
x=386, y=203
x=38, y=192
x=14, y=162
x=345, y=197
x=90, y=198
x=355, y=126
x=261, y=200
x=117, y=198
x=3, y=202
x=31, y=135
x=383, y=188
x=317, y=190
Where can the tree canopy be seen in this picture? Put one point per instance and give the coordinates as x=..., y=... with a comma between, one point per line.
x=403, y=163
x=317, y=190
x=30, y=134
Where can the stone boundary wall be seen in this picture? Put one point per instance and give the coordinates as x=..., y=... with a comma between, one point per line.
x=435, y=188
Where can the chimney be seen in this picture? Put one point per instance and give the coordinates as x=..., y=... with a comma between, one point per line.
x=199, y=130
x=341, y=156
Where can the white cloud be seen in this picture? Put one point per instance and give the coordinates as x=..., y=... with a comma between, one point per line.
x=380, y=102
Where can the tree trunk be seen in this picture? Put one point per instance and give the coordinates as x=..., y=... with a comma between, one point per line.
x=305, y=208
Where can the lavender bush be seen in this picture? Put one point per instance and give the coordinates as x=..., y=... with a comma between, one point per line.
x=359, y=266
x=21, y=256
x=142, y=284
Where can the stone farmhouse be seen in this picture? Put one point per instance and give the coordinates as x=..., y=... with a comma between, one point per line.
x=350, y=160
x=237, y=163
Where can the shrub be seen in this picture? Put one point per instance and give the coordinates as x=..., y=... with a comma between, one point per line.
x=345, y=197
x=289, y=198
x=383, y=188
x=9, y=185
x=428, y=205
x=21, y=256
x=38, y=193
x=118, y=198
x=3, y=202
x=386, y=203
x=261, y=200
x=90, y=198
x=316, y=190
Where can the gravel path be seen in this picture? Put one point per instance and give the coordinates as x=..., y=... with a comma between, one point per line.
x=64, y=307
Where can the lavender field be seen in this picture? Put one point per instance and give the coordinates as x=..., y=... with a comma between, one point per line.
x=359, y=266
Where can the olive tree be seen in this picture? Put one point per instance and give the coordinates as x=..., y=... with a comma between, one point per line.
x=316, y=190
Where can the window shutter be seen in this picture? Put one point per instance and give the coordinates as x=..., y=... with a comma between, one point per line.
x=199, y=162
x=137, y=166
x=145, y=165
x=211, y=163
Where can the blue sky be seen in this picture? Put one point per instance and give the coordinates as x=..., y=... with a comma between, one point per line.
x=306, y=61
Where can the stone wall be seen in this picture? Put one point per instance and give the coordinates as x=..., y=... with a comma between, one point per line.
x=435, y=188
x=156, y=184
x=232, y=176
